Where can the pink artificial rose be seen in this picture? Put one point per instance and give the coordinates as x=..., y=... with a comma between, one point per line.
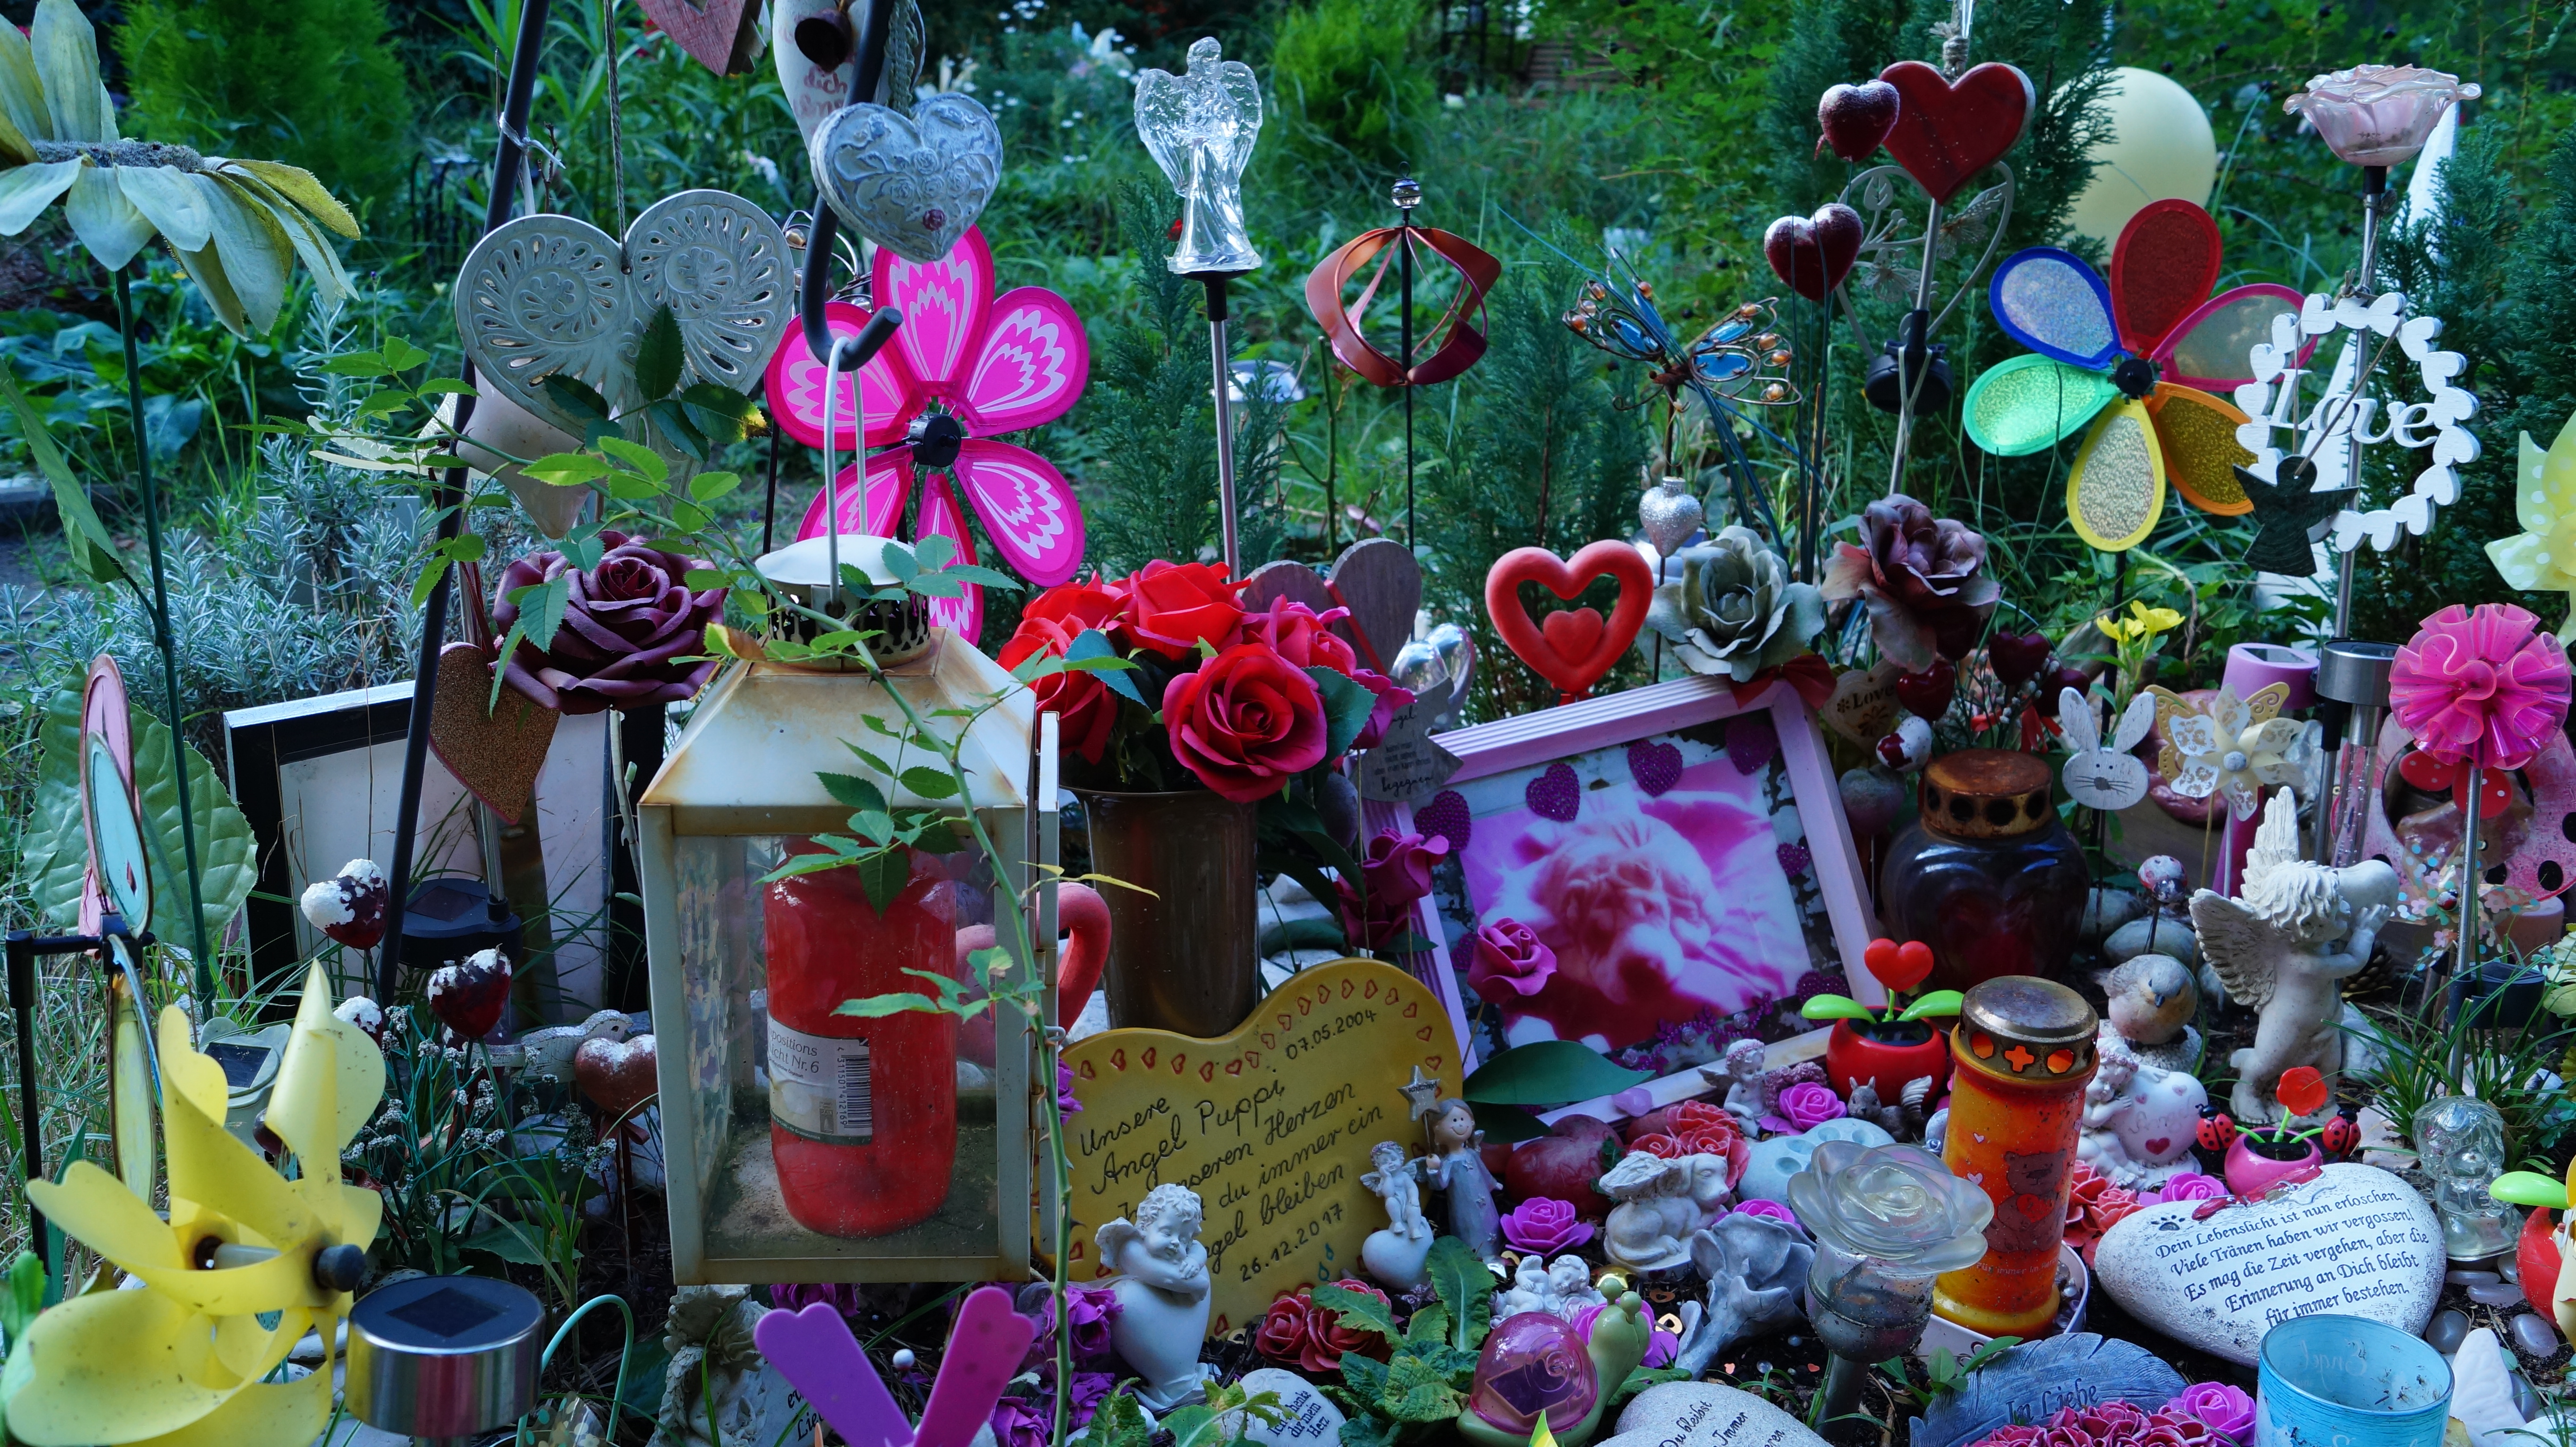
x=1303, y=636
x=1771, y=1209
x=2378, y=115
x=1391, y=699
x=1545, y=1226
x=2223, y=1409
x=1397, y=873
x=1510, y=962
x=2188, y=1186
x=1807, y=1104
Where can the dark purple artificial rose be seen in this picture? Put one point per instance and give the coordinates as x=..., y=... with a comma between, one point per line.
x=629, y=623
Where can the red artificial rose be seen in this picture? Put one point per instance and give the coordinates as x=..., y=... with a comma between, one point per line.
x=1661, y=1146
x=1172, y=607
x=1327, y=1339
x=1084, y=706
x=1245, y=722
x=1282, y=1334
x=1081, y=604
x=1303, y=636
x=2302, y=1090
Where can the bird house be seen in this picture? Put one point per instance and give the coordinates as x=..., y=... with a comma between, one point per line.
x=802, y=1144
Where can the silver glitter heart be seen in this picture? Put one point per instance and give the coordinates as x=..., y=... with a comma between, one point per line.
x=1670, y=514
x=545, y=296
x=912, y=185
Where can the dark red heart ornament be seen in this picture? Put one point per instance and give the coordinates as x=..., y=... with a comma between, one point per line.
x=1856, y=118
x=470, y=995
x=350, y=906
x=617, y=1075
x=1928, y=694
x=1814, y=253
x=2016, y=657
x=1944, y=133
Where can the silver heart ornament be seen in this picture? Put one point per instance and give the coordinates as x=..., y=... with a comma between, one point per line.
x=910, y=184
x=1670, y=515
x=546, y=296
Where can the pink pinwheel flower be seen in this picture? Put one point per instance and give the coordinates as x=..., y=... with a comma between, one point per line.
x=2483, y=686
x=963, y=369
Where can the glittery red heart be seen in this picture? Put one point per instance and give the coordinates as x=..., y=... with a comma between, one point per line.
x=1945, y=133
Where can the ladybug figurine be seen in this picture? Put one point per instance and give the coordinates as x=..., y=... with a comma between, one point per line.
x=2340, y=1138
x=2216, y=1132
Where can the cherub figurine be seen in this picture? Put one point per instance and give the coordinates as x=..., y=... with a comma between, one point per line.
x=1162, y=1288
x=1200, y=127
x=1457, y=1166
x=1395, y=1255
x=1742, y=1077
x=2284, y=949
x=1561, y=1288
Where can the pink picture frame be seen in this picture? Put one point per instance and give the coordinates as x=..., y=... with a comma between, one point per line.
x=1665, y=733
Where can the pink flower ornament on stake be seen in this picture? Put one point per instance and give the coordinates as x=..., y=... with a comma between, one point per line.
x=2482, y=686
x=2378, y=115
x=965, y=368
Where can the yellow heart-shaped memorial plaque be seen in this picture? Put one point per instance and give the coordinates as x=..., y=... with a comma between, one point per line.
x=1271, y=1125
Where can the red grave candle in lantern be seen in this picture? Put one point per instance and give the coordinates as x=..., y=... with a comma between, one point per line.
x=2024, y=1053
x=863, y=1112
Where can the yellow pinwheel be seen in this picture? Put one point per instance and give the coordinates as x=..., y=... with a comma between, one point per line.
x=180, y=1363
x=2542, y=557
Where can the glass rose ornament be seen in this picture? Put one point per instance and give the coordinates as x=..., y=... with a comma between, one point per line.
x=1887, y=1221
x=1734, y=611
x=1199, y=127
x=2378, y=115
x=2461, y=1141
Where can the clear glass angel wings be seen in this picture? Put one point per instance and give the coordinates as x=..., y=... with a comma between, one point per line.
x=1199, y=127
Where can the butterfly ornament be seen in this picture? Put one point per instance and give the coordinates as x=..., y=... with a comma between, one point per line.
x=2138, y=359
x=2110, y=778
x=965, y=368
x=2325, y=441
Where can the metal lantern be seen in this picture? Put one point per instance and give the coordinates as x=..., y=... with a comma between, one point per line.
x=804, y=1145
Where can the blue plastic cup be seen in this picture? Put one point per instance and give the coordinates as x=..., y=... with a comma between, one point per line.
x=2344, y=1381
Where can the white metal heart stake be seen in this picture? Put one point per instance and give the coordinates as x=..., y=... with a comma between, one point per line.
x=546, y=296
x=912, y=185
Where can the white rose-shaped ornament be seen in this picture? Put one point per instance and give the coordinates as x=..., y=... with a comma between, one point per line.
x=1734, y=611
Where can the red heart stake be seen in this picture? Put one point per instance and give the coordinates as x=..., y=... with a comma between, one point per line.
x=1945, y=134
x=1814, y=253
x=719, y=35
x=1573, y=648
x=1857, y=118
x=1900, y=967
x=1928, y=694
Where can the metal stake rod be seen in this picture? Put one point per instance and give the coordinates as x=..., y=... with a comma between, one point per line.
x=1407, y=194
x=205, y=958
x=1225, y=503
x=1914, y=351
x=2374, y=206
x=447, y=501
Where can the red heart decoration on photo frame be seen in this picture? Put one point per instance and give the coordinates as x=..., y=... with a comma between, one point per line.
x=1813, y=254
x=718, y=35
x=1945, y=133
x=1567, y=650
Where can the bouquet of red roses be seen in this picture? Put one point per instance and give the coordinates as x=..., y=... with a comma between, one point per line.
x=1242, y=703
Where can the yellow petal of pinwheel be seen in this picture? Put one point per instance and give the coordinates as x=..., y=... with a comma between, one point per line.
x=327, y=1084
x=22, y=95
x=115, y=1367
x=95, y=1207
x=66, y=53
x=28, y=190
x=186, y=1072
x=2116, y=490
x=301, y=187
x=104, y=220
x=244, y=1350
x=2558, y=466
x=257, y=255
x=174, y=204
x=129, y=1091
x=287, y=1412
x=2533, y=505
x=210, y=1168
x=2526, y=562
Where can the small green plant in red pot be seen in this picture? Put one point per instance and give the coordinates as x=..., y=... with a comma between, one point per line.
x=1887, y=1051
x=2262, y=1157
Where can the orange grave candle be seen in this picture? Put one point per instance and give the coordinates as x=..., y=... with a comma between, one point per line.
x=2024, y=1053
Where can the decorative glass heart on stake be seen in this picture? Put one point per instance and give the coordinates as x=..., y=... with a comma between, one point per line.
x=915, y=184
x=545, y=297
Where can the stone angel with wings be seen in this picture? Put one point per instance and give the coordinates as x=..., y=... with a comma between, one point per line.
x=2284, y=947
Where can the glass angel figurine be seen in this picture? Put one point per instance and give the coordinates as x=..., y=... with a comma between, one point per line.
x=1200, y=127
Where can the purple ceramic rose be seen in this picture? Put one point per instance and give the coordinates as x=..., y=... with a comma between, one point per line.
x=2188, y=1186
x=1511, y=962
x=628, y=624
x=1545, y=1226
x=1772, y=1209
x=2221, y=1408
x=1922, y=578
x=1804, y=1106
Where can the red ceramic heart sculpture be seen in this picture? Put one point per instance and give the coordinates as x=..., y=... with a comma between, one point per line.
x=470, y=994
x=1814, y=253
x=617, y=1075
x=1573, y=648
x=719, y=35
x=1945, y=134
x=1857, y=118
x=1928, y=694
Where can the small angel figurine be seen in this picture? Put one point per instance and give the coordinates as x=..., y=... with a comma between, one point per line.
x=1742, y=1077
x=1396, y=1254
x=2104, y=778
x=1162, y=1288
x=2284, y=948
x=1200, y=127
x=1457, y=1166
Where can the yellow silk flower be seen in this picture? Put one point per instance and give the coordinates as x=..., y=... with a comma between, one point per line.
x=2142, y=623
x=180, y=1362
x=2542, y=558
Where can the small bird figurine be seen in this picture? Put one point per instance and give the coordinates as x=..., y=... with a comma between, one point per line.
x=2151, y=998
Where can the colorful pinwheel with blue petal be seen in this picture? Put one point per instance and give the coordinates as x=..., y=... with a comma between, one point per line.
x=2139, y=358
